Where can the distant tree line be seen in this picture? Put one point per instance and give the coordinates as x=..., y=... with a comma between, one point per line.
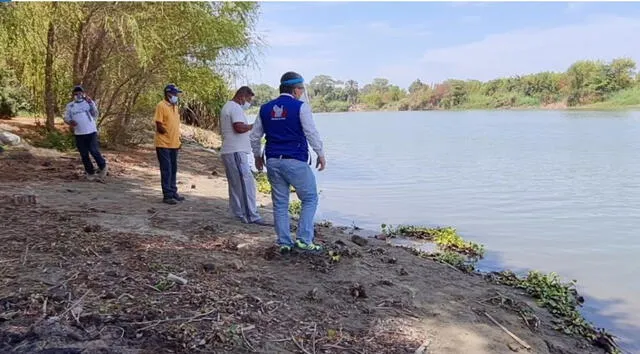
x=585, y=82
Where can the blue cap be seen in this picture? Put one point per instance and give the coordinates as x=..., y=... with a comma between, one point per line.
x=172, y=89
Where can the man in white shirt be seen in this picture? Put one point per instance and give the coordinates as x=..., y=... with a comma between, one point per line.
x=81, y=114
x=234, y=152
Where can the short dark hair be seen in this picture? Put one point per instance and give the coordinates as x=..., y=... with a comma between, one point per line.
x=244, y=91
x=286, y=87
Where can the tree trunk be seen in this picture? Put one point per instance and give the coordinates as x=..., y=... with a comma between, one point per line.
x=49, y=97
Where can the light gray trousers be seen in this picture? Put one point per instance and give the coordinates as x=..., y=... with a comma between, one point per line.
x=242, y=187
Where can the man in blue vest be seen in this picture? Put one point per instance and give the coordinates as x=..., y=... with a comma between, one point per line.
x=287, y=123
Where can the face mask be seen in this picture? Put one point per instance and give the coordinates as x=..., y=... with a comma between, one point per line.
x=246, y=105
x=173, y=99
x=78, y=98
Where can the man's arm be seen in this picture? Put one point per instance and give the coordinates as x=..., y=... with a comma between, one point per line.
x=256, y=137
x=67, y=114
x=93, y=108
x=159, y=118
x=310, y=131
x=239, y=121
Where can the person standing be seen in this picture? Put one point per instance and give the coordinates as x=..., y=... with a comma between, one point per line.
x=235, y=148
x=287, y=123
x=81, y=114
x=167, y=141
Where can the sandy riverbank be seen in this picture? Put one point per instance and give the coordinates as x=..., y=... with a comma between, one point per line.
x=86, y=266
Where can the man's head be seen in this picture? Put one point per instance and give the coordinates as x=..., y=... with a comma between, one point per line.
x=243, y=96
x=171, y=93
x=292, y=83
x=78, y=93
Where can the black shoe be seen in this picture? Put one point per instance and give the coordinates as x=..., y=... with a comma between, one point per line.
x=178, y=197
x=170, y=201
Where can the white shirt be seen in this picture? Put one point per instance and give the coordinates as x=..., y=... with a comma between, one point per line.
x=233, y=141
x=308, y=127
x=84, y=114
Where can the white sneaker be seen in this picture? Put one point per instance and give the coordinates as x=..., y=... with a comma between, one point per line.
x=103, y=172
x=90, y=178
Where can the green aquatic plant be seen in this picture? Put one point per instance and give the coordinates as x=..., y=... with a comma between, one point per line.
x=447, y=238
x=562, y=300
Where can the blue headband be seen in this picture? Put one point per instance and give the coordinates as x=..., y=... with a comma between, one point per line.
x=292, y=82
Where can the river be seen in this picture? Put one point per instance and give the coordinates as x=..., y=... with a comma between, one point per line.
x=548, y=190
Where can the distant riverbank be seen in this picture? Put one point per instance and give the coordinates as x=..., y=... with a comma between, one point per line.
x=628, y=99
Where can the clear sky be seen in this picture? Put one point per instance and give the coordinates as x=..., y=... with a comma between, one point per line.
x=403, y=41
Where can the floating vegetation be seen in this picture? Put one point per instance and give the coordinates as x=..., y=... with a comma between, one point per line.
x=562, y=300
x=447, y=238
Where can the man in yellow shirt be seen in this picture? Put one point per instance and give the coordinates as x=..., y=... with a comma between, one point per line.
x=167, y=140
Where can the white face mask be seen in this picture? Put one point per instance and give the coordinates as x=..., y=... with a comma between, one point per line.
x=246, y=105
x=173, y=99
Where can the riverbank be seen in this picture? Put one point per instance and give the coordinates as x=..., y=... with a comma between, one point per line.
x=628, y=99
x=87, y=266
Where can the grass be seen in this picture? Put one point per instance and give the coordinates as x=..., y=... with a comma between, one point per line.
x=628, y=98
x=263, y=185
x=58, y=140
x=295, y=207
x=447, y=238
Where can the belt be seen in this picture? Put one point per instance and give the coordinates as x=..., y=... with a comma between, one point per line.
x=287, y=157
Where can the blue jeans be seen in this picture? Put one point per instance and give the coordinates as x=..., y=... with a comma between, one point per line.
x=282, y=173
x=168, y=159
x=87, y=144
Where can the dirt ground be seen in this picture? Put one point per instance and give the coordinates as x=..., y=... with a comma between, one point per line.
x=84, y=266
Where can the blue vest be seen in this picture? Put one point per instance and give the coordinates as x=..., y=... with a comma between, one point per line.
x=280, y=120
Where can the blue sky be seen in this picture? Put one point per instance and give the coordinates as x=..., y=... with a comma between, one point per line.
x=403, y=41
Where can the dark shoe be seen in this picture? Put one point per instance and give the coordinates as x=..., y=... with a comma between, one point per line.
x=261, y=222
x=178, y=197
x=170, y=201
x=285, y=250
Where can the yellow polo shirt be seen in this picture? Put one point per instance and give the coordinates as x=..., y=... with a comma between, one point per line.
x=169, y=116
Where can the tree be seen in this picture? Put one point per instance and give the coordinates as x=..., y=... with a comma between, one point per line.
x=124, y=53
x=416, y=86
x=351, y=89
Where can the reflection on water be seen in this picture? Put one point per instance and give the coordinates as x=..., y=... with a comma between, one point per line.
x=554, y=191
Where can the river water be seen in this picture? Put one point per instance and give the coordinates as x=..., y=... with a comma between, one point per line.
x=547, y=190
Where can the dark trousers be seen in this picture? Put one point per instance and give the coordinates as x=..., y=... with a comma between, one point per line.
x=168, y=159
x=88, y=144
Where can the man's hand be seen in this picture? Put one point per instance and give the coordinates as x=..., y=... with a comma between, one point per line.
x=160, y=128
x=321, y=163
x=73, y=123
x=259, y=163
x=241, y=128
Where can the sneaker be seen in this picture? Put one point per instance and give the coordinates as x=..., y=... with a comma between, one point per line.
x=103, y=172
x=90, y=178
x=285, y=250
x=170, y=201
x=178, y=197
x=308, y=247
